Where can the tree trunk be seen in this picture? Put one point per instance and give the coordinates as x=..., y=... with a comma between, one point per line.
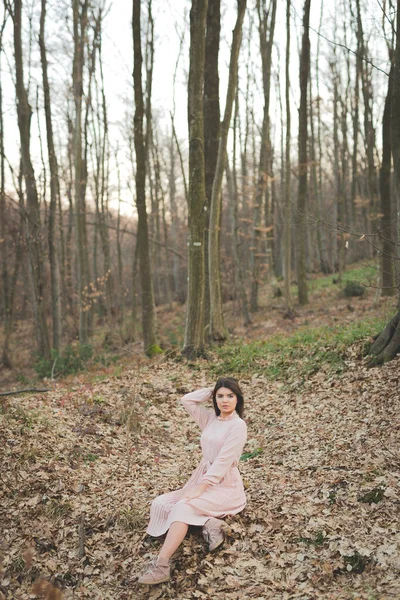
x=121, y=290
x=218, y=332
x=395, y=126
x=387, y=344
x=287, y=231
x=194, y=330
x=80, y=27
x=148, y=310
x=211, y=141
x=240, y=287
x=301, y=232
x=5, y=296
x=32, y=224
x=387, y=245
x=369, y=130
x=174, y=213
x=266, y=35
x=54, y=189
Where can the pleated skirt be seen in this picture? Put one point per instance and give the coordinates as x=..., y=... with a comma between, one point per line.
x=220, y=500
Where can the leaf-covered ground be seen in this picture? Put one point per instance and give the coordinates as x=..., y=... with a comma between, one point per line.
x=81, y=464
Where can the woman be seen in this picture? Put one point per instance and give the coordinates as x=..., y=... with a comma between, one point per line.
x=215, y=489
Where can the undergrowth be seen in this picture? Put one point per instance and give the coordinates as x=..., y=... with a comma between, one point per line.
x=298, y=356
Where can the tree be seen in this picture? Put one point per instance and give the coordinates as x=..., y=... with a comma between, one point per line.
x=32, y=225
x=217, y=327
x=194, y=330
x=54, y=191
x=301, y=229
x=288, y=207
x=387, y=245
x=212, y=116
x=80, y=21
x=266, y=29
x=148, y=311
x=387, y=344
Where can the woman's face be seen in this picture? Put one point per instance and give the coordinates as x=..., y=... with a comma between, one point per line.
x=226, y=401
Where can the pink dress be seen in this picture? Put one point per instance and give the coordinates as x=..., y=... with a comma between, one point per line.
x=222, y=443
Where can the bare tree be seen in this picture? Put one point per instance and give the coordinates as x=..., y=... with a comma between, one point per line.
x=80, y=23
x=212, y=116
x=288, y=174
x=267, y=18
x=301, y=227
x=194, y=330
x=148, y=312
x=217, y=327
x=32, y=221
x=387, y=344
x=54, y=191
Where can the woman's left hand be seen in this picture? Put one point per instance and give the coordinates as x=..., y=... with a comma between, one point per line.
x=195, y=492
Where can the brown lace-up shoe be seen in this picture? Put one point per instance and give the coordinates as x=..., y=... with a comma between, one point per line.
x=157, y=571
x=214, y=533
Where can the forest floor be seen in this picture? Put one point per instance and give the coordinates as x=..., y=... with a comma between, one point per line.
x=81, y=464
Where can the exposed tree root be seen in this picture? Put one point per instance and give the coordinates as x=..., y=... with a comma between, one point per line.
x=387, y=344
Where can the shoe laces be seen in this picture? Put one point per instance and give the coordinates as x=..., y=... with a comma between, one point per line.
x=152, y=564
x=207, y=536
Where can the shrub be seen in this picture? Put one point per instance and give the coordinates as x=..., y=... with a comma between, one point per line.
x=353, y=288
x=71, y=361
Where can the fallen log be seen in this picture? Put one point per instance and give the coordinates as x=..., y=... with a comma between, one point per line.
x=30, y=390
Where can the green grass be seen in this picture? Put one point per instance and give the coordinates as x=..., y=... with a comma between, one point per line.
x=364, y=275
x=297, y=356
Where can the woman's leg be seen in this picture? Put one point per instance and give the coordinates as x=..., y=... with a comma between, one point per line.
x=175, y=537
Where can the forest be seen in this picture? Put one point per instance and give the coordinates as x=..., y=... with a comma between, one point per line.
x=288, y=168
x=190, y=189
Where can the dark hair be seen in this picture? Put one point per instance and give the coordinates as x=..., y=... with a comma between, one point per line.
x=233, y=385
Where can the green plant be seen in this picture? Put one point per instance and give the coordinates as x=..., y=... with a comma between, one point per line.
x=90, y=457
x=373, y=496
x=131, y=518
x=247, y=455
x=356, y=563
x=297, y=356
x=72, y=360
x=353, y=288
x=58, y=508
x=319, y=539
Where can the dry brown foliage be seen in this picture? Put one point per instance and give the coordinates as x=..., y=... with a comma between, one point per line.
x=81, y=465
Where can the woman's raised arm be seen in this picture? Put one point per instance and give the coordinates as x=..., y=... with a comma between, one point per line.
x=192, y=402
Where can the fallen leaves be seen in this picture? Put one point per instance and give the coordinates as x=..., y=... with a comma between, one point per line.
x=81, y=466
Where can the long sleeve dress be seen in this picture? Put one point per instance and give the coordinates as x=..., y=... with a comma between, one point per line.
x=222, y=442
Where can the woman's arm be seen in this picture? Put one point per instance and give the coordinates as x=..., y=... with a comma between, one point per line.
x=192, y=402
x=229, y=453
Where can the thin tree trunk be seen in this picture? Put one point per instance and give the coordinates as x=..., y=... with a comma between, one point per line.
x=5, y=300
x=121, y=290
x=301, y=237
x=395, y=123
x=211, y=143
x=148, y=310
x=54, y=189
x=174, y=213
x=194, y=330
x=80, y=27
x=266, y=35
x=32, y=224
x=288, y=175
x=105, y=161
x=217, y=328
x=387, y=245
